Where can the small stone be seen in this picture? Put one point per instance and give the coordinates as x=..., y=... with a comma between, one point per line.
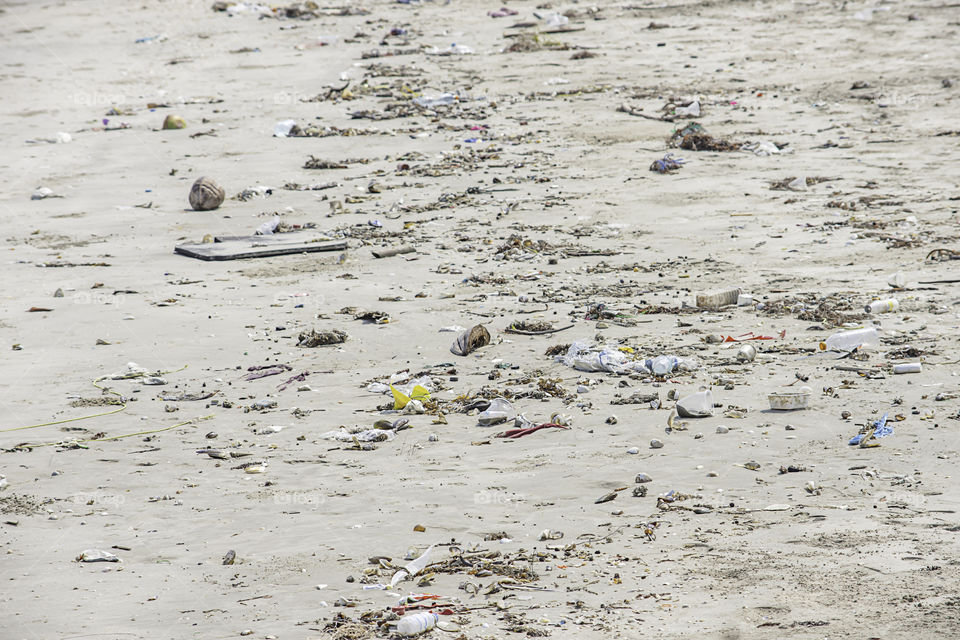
x=713, y=474
x=351, y=579
x=790, y=427
x=656, y=444
x=723, y=429
x=633, y=451
x=419, y=528
x=699, y=436
x=611, y=420
x=642, y=477
x=433, y=437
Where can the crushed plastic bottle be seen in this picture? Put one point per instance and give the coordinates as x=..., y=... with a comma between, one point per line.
x=499, y=411
x=850, y=340
x=557, y=20
x=442, y=100
x=663, y=365
x=268, y=227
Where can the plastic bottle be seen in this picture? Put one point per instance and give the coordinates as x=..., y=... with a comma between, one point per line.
x=416, y=623
x=442, y=100
x=662, y=365
x=908, y=367
x=500, y=410
x=850, y=340
x=882, y=306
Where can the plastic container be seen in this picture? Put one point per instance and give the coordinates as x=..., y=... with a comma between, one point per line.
x=698, y=405
x=908, y=367
x=745, y=300
x=882, y=306
x=500, y=410
x=850, y=340
x=747, y=353
x=717, y=299
x=416, y=623
x=790, y=400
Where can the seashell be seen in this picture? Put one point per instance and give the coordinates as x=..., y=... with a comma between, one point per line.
x=206, y=195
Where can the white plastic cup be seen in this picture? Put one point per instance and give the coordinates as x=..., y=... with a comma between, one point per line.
x=747, y=353
x=698, y=405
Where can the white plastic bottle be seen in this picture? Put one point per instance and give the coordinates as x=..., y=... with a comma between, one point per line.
x=850, y=340
x=416, y=623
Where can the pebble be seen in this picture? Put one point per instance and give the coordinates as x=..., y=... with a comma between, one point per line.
x=656, y=444
x=633, y=450
x=642, y=477
x=433, y=437
x=722, y=429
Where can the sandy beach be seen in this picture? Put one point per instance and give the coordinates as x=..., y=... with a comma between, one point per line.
x=179, y=458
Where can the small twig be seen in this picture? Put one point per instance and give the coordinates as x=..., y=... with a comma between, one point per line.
x=535, y=333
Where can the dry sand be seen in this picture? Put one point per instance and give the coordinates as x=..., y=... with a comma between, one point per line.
x=871, y=551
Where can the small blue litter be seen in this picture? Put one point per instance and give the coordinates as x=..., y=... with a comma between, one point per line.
x=880, y=430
